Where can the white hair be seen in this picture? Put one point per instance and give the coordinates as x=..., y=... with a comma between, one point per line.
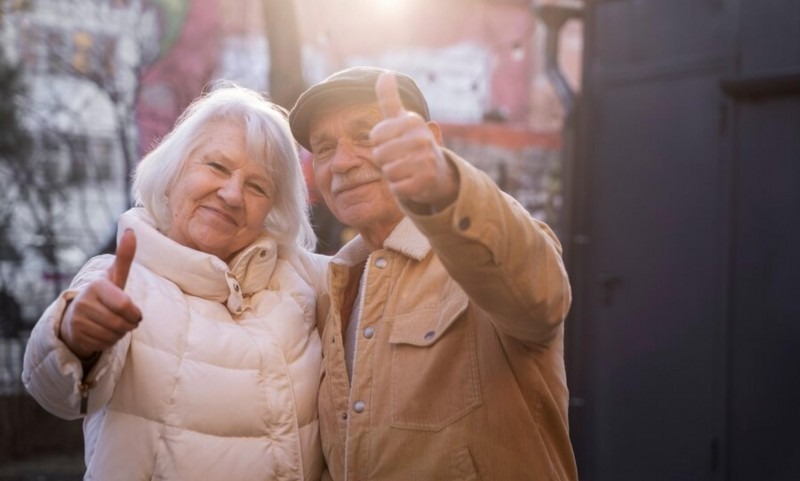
x=269, y=143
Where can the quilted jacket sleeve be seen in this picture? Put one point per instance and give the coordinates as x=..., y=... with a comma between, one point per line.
x=52, y=374
x=313, y=268
x=507, y=262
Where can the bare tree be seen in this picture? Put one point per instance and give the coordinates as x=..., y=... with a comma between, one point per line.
x=286, y=71
x=82, y=62
x=15, y=149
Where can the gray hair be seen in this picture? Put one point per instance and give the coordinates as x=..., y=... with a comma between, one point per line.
x=269, y=143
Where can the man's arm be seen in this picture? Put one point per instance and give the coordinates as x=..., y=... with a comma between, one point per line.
x=507, y=262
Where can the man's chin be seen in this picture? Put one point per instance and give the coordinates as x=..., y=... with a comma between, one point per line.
x=355, y=214
x=367, y=214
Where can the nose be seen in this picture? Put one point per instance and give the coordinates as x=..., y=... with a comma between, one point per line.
x=232, y=192
x=346, y=157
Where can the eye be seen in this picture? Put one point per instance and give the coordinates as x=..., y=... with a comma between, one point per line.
x=258, y=189
x=363, y=140
x=322, y=151
x=217, y=166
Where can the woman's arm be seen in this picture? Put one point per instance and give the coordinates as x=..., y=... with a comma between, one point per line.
x=82, y=335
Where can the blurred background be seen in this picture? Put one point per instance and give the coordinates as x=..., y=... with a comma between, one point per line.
x=660, y=139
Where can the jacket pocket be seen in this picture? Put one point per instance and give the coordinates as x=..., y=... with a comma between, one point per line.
x=434, y=366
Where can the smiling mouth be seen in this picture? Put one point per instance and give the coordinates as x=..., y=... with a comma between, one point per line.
x=221, y=214
x=350, y=187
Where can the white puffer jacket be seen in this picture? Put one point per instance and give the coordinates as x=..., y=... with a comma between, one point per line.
x=218, y=382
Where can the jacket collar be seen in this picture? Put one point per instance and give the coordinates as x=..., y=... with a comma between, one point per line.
x=198, y=273
x=405, y=239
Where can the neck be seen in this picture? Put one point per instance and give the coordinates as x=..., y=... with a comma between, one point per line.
x=376, y=234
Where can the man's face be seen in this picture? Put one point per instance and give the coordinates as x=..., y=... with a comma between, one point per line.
x=351, y=184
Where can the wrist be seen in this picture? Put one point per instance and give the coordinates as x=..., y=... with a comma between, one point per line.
x=64, y=335
x=88, y=363
x=449, y=193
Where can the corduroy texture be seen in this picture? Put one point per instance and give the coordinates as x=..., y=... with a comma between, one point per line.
x=459, y=359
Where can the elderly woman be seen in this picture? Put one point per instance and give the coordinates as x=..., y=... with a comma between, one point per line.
x=193, y=353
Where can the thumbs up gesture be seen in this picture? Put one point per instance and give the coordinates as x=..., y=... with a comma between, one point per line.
x=102, y=312
x=407, y=150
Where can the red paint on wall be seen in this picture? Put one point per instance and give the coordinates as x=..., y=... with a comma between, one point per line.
x=170, y=84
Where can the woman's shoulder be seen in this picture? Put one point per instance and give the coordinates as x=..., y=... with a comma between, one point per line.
x=310, y=266
x=301, y=276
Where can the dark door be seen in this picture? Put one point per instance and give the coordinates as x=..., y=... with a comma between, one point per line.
x=690, y=323
x=764, y=318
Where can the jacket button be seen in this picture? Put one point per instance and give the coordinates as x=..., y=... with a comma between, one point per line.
x=464, y=223
x=236, y=287
x=369, y=332
x=381, y=262
x=359, y=406
x=263, y=253
x=429, y=335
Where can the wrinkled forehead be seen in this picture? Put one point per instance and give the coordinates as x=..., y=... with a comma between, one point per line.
x=231, y=131
x=341, y=117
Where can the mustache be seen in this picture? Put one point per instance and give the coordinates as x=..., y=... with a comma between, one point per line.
x=354, y=178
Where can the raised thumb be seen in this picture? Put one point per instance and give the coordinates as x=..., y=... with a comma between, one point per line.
x=126, y=248
x=389, y=100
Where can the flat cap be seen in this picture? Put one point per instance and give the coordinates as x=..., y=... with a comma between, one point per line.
x=355, y=84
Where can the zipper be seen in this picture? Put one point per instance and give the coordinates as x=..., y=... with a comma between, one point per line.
x=87, y=365
x=84, y=390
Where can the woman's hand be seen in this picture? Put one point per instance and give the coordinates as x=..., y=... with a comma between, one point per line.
x=102, y=312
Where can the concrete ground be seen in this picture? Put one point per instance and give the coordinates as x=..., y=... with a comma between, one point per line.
x=44, y=468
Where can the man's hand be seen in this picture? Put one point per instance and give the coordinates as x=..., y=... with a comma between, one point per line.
x=102, y=312
x=408, y=153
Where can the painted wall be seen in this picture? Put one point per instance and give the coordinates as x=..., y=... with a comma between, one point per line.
x=191, y=48
x=479, y=63
x=472, y=58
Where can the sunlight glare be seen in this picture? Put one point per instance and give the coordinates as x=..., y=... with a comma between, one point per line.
x=388, y=5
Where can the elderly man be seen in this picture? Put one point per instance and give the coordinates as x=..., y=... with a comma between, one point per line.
x=443, y=346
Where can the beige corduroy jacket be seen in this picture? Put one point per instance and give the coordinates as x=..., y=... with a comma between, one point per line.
x=459, y=367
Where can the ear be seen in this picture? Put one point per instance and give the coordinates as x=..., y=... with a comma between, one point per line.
x=436, y=130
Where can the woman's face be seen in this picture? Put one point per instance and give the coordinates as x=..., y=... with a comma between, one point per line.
x=221, y=198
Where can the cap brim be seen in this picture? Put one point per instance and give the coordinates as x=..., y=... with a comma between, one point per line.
x=320, y=96
x=355, y=85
